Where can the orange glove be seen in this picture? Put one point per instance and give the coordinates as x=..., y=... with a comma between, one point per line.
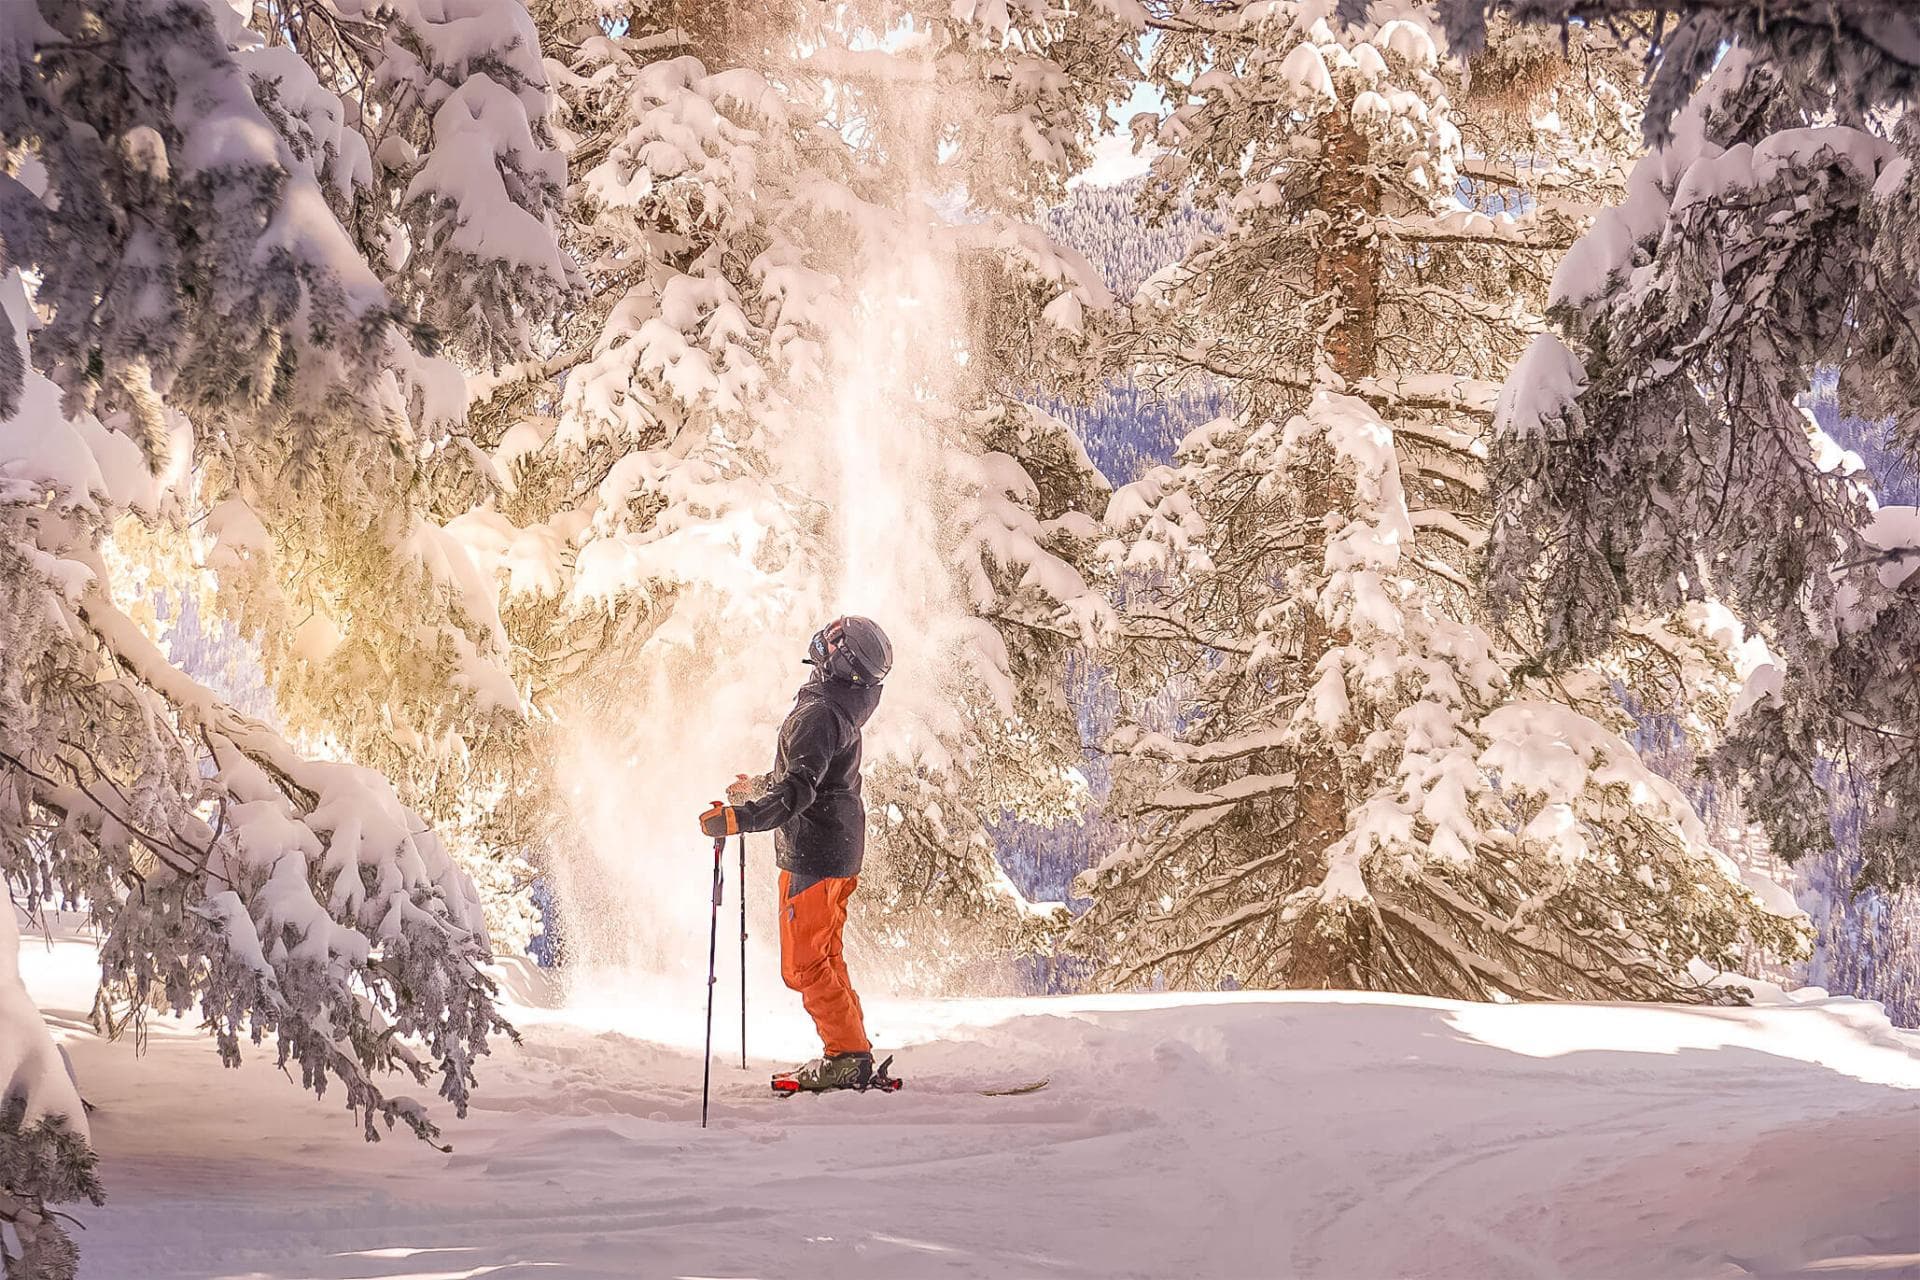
x=720, y=821
x=740, y=789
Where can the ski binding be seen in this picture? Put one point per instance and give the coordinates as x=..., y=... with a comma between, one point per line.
x=786, y=1086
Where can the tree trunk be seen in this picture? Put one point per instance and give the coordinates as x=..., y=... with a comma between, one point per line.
x=1349, y=267
x=1347, y=271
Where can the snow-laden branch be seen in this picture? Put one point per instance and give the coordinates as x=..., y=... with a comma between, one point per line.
x=1869, y=49
x=1549, y=233
x=1250, y=786
x=334, y=917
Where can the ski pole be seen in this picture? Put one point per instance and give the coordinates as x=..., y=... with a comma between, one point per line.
x=743, y=951
x=713, y=956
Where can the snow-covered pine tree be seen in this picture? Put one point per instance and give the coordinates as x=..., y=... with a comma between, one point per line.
x=1863, y=51
x=432, y=133
x=789, y=393
x=1658, y=448
x=1867, y=942
x=1358, y=790
x=458, y=177
x=186, y=217
x=621, y=504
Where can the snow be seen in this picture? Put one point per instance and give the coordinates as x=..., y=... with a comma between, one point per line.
x=533, y=559
x=41, y=455
x=1411, y=41
x=522, y=439
x=224, y=133
x=237, y=537
x=31, y=1071
x=73, y=460
x=1029, y=248
x=1554, y=753
x=480, y=125
x=1306, y=1134
x=1115, y=160
x=1543, y=391
x=1306, y=72
x=317, y=114
x=1368, y=63
x=450, y=566
x=1764, y=683
x=1745, y=167
x=1608, y=247
x=1065, y=312
x=1891, y=536
x=1896, y=531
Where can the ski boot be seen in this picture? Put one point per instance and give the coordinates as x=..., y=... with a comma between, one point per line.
x=841, y=1071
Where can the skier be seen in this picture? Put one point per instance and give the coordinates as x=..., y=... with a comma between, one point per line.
x=812, y=799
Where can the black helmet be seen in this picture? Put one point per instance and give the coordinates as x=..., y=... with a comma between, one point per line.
x=852, y=651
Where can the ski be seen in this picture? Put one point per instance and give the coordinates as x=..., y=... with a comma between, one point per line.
x=1014, y=1091
x=786, y=1086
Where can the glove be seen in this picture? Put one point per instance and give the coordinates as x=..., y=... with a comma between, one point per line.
x=720, y=821
x=741, y=789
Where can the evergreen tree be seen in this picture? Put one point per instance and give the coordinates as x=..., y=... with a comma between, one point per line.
x=1658, y=447
x=1862, y=51
x=203, y=368
x=1363, y=788
x=789, y=392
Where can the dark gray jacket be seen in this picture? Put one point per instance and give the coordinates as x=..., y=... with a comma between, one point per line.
x=812, y=796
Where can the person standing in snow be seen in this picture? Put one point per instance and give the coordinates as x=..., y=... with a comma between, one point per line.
x=812, y=802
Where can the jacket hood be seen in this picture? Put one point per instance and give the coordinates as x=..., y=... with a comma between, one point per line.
x=856, y=701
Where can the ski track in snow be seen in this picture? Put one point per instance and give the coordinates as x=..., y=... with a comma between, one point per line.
x=1301, y=1134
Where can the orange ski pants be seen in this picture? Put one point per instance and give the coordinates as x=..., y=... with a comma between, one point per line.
x=811, y=922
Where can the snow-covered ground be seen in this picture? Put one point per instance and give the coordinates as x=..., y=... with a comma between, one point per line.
x=1249, y=1135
